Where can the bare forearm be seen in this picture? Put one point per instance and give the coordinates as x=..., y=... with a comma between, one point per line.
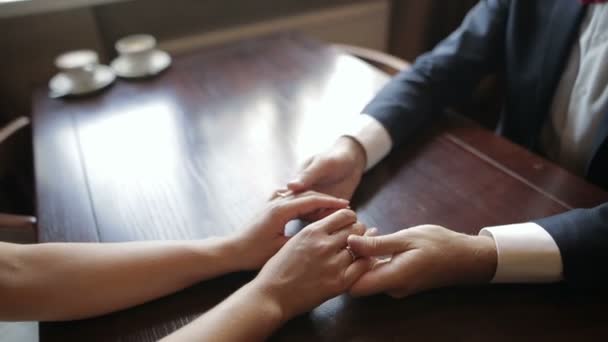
x=247, y=315
x=69, y=281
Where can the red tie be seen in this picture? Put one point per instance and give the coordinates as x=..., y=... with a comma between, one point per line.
x=585, y=2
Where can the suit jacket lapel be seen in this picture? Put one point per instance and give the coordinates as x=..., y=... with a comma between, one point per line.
x=561, y=33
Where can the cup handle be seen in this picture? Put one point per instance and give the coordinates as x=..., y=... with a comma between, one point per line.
x=90, y=67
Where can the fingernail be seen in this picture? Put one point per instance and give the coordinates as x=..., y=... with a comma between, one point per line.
x=371, y=232
x=344, y=201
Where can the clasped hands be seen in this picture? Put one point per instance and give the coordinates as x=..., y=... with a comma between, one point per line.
x=315, y=265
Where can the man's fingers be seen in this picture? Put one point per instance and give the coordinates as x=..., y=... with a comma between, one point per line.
x=336, y=221
x=382, y=277
x=300, y=206
x=371, y=232
x=378, y=245
x=310, y=175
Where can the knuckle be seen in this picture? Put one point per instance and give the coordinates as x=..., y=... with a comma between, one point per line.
x=431, y=228
x=314, y=228
x=346, y=214
x=358, y=229
x=307, y=232
x=277, y=208
x=330, y=161
x=373, y=242
x=323, y=246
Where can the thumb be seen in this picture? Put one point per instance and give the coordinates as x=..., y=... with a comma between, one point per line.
x=309, y=175
x=376, y=245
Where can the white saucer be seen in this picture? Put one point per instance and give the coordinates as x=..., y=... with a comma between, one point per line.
x=126, y=67
x=64, y=85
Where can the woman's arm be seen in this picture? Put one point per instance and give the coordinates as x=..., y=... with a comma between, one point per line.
x=65, y=281
x=249, y=314
x=311, y=268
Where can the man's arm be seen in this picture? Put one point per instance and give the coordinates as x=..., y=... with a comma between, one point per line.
x=445, y=75
x=437, y=79
x=566, y=246
x=582, y=238
x=572, y=246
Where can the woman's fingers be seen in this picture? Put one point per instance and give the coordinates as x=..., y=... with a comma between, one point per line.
x=318, y=214
x=356, y=270
x=345, y=255
x=336, y=221
x=339, y=238
x=344, y=258
x=300, y=206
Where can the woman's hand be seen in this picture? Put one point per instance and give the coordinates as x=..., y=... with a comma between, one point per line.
x=266, y=234
x=313, y=266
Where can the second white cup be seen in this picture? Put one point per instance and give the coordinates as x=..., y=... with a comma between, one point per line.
x=137, y=48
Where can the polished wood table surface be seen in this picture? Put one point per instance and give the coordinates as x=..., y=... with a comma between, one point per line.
x=197, y=150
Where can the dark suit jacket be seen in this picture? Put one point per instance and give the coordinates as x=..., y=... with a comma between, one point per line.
x=529, y=42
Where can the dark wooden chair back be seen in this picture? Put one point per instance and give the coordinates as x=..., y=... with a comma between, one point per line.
x=16, y=179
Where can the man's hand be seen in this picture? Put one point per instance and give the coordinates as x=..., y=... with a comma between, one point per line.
x=265, y=235
x=423, y=258
x=336, y=172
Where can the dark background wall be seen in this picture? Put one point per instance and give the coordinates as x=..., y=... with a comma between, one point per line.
x=28, y=45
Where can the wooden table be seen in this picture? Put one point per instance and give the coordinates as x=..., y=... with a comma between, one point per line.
x=197, y=150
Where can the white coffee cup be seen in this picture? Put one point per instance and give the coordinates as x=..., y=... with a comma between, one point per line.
x=137, y=49
x=78, y=65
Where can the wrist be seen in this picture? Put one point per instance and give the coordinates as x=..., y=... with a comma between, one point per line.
x=269, y=301
x=484, y=259
x=354, y=150
x=226, y=250
x=236, y=251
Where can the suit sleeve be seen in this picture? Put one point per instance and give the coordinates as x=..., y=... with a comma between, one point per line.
x=445, y=75
x=582, y=238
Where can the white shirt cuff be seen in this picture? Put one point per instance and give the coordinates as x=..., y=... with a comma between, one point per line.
x=526, y=254
x=374, y=138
